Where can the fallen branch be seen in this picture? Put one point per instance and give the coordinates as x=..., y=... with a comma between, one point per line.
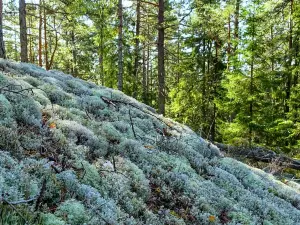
x=132, y=125
x=41, y=195
x=23, y=201
x=260, y=154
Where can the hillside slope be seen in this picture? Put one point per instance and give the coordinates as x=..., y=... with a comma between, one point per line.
x=72, y=152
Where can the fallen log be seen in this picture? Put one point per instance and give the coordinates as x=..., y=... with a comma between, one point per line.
x=260, y=154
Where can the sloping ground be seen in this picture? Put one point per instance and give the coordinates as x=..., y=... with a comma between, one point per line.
x=76, y=153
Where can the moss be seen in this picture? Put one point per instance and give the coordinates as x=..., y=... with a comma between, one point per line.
x=73, y=212
x=6, y=112
x=117, y=178
x=26, y=110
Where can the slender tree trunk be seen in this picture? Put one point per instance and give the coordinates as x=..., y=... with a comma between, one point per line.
x=30, y=40
x=229, y=42
x=120, y=46
x=137, y=48
x=148, y=66
x=213, y=128
x=161, y=57
x=203, y=105
x=74, y=53
x=236, y=24
x=23, y=31
x=45, y=39
x=101, y=56
x=178, y=57
x=296, y=47
x=55, y=45
x=289, y=73
x=251, y=86
x=2, y=45
x=40, y=34
x=144, y=75
x=251, y=100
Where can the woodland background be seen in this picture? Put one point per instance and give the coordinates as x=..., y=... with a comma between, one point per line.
x=228, y=69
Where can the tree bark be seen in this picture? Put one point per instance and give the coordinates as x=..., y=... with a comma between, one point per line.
x=40, y=34
x=23, y=31
x=120, y=46
x=289, y=73
x=161, y=58
x=2, y=45
x=101, y=55
x=236, y=24
x=45, y=39
x=74, y=54
x=144, y=75
x=137, y=48
x=55, y=45
x=229, y=42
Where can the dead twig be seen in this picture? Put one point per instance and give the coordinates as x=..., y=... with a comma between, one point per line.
x=41, y=195
x=132, y=125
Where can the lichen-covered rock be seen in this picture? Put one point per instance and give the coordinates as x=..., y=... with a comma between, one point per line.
x=86, y=154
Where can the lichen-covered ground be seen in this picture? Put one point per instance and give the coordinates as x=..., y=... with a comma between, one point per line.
x=72, y=152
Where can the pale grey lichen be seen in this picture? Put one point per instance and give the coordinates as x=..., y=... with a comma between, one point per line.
x=120, y=163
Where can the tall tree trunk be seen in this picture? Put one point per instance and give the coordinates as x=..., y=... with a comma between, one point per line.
x=236, y=24
x=144, y=74
x=101, y=56
x=31, y=60
x=297, y=48
x=55, y=45
x=161, y=57
x=251, y=85
x=229, y=42
x=203, y=105
x=289, y=72
x=120, y=46
x=40, y=34
x=23, y=31
x=2, y=45
x=45, y=39
x=137, y=48
x=74, y=54
x=178, y=57
x=148, y=66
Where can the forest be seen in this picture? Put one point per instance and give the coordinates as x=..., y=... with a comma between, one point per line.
x=228, y=69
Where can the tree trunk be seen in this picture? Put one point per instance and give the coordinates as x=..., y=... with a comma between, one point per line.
x=236, y=25
x=74, y=53
x=144, y=75
x=45, y=40
x=55, y=45
x=137, y=49
x=31, y=59
x=2, y=45
x=23, y=31
x=289, y=73
x=120, y=47
x=40, y=34
x=161, y=57
x=229, y=42
x=203, y=105
x=101, y=56
x=251, y=84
